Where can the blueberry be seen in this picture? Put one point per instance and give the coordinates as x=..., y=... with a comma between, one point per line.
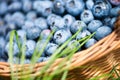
x=74, y=7
x=51, y=48
x=27, y=5
x=3, y=8
x=101, y=9
x=15, y=6
x=2, y=45
x=82, y=34
x=115, y=11
x=90, y=43
x=86, y=16
x=102, y=32
x=51, y=19
x=2, y=22
x=33, y=33
x=30, y=47
x=94, y=25
x=41, y=23
x=28, y=24
x=21, y=34
x=112, y=22
x=68, y=19
x=57, y=23
x=89, y=4
x=115, y=2
x=43, y=7
x=10, y=26
x=41, y=47
x=3, y=30
x=15, y=49
x=58, y=6
x=77, y=25
x=74, y=44
x=31, y=15
x=45, y=34
x=18, y=19
x=61, y=36
x=8, y=18
x=106, y=21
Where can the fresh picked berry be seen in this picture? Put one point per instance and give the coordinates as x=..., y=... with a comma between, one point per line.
x=18, y=19
x=82, y=34
x=33, y=33
x=15, y=6
x=101, y=9
x=27, y=5
x=3, y=8
x=43, y=7
x=30, y=47
x=57, y=24
x=74, y=44
x=41, y=23
x=45, y=34
x=68, y=19
x=58, y=6
x=89, y=4
x=102, y=32
x=51, y=48
x=77, y=25
x=94, y=25
x=90, y=43
x=15, y=49
x=31, y=15
x=115, y=11
x=61, y=36
x=86, y=16
x=75, y=7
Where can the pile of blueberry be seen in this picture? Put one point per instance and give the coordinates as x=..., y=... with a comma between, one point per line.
x=34, y=18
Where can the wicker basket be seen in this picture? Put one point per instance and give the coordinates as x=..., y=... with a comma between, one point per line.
x=103, y=56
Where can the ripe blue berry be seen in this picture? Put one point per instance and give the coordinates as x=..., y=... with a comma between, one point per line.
x=90, y=43
x=3, y=8
x=41, y=23
x=43, y=7
x=101, y=9
x=74, y=44
x=31, y=15
x=15, y=6
x=15, y=49
x=61, y=36
x=51, y=48
x=68, y=19
x=82, y=34
x=58, y=6
x=45, y=34
x=27, y=5
x=30, y=47
x=94, y=25
x=102, y=32
x=89, y=4
x=86, y=16
x=77, y=25
x=74, y=7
